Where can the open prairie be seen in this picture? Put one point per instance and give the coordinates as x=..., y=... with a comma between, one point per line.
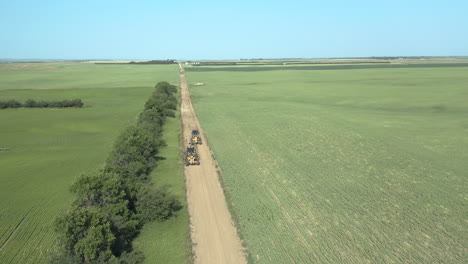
x=341, y=165
x=50, y=148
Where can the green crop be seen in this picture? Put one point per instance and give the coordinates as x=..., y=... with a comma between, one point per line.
x=341, y=165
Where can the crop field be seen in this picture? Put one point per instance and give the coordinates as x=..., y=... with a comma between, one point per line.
x=49, y=148
x=333, y=165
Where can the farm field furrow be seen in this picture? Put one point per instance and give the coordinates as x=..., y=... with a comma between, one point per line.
x=341, y=166
x=50, y=148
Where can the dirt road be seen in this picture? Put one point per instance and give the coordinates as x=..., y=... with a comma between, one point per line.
x=213, y=234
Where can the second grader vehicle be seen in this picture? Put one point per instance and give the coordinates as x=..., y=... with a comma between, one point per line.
x=191, y=156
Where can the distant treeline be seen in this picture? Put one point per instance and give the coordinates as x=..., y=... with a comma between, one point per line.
x=142, y=62
x=154, y=62
x=251, y=68
x=41, y=104
x=112, y=204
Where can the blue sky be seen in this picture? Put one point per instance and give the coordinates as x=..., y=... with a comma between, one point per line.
x=140, y=29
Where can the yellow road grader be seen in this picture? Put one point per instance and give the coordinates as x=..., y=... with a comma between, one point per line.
x=191, y=156
x=195, y=138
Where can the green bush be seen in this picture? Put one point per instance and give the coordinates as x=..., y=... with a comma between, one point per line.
x=10, y=104
x=86, y=234
x=157, y=204
x=152, y=121
x=134, y=153
x=30, y=103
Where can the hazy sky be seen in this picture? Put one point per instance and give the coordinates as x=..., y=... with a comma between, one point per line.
x=144, y=29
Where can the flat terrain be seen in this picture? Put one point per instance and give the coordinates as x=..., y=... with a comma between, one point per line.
x=49, y=148
x=168, y=242
x=363, y=165
x=213, y=234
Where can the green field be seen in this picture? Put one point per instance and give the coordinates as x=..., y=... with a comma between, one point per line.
x=169, y=241
x=49, y=148
x=341, y=165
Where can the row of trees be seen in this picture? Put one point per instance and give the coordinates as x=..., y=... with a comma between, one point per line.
x=113, y=204
x=41, y=104
x=154, y=62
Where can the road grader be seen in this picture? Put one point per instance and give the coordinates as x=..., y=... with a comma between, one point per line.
x=191, y=156
x=195, y=138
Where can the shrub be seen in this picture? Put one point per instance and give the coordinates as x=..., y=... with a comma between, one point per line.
x=134, y=153
x=30, y=103
x=10, y=104
x=151, y=120
x=157, y=204
x=104, y=190
x=86, y=234
x=134, y=257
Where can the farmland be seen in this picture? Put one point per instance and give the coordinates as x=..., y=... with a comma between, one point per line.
x=50, y=148
x=330, y=165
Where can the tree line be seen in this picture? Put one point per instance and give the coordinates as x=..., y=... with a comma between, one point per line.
x=154, y=62
x=30, y=103
x=113, y=203
x=140, y=62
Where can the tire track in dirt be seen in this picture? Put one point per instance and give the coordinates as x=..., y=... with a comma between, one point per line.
x=213, y=233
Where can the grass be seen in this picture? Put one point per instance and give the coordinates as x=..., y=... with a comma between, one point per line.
x=342, y=166
x=50, y=148
x=168, y=241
